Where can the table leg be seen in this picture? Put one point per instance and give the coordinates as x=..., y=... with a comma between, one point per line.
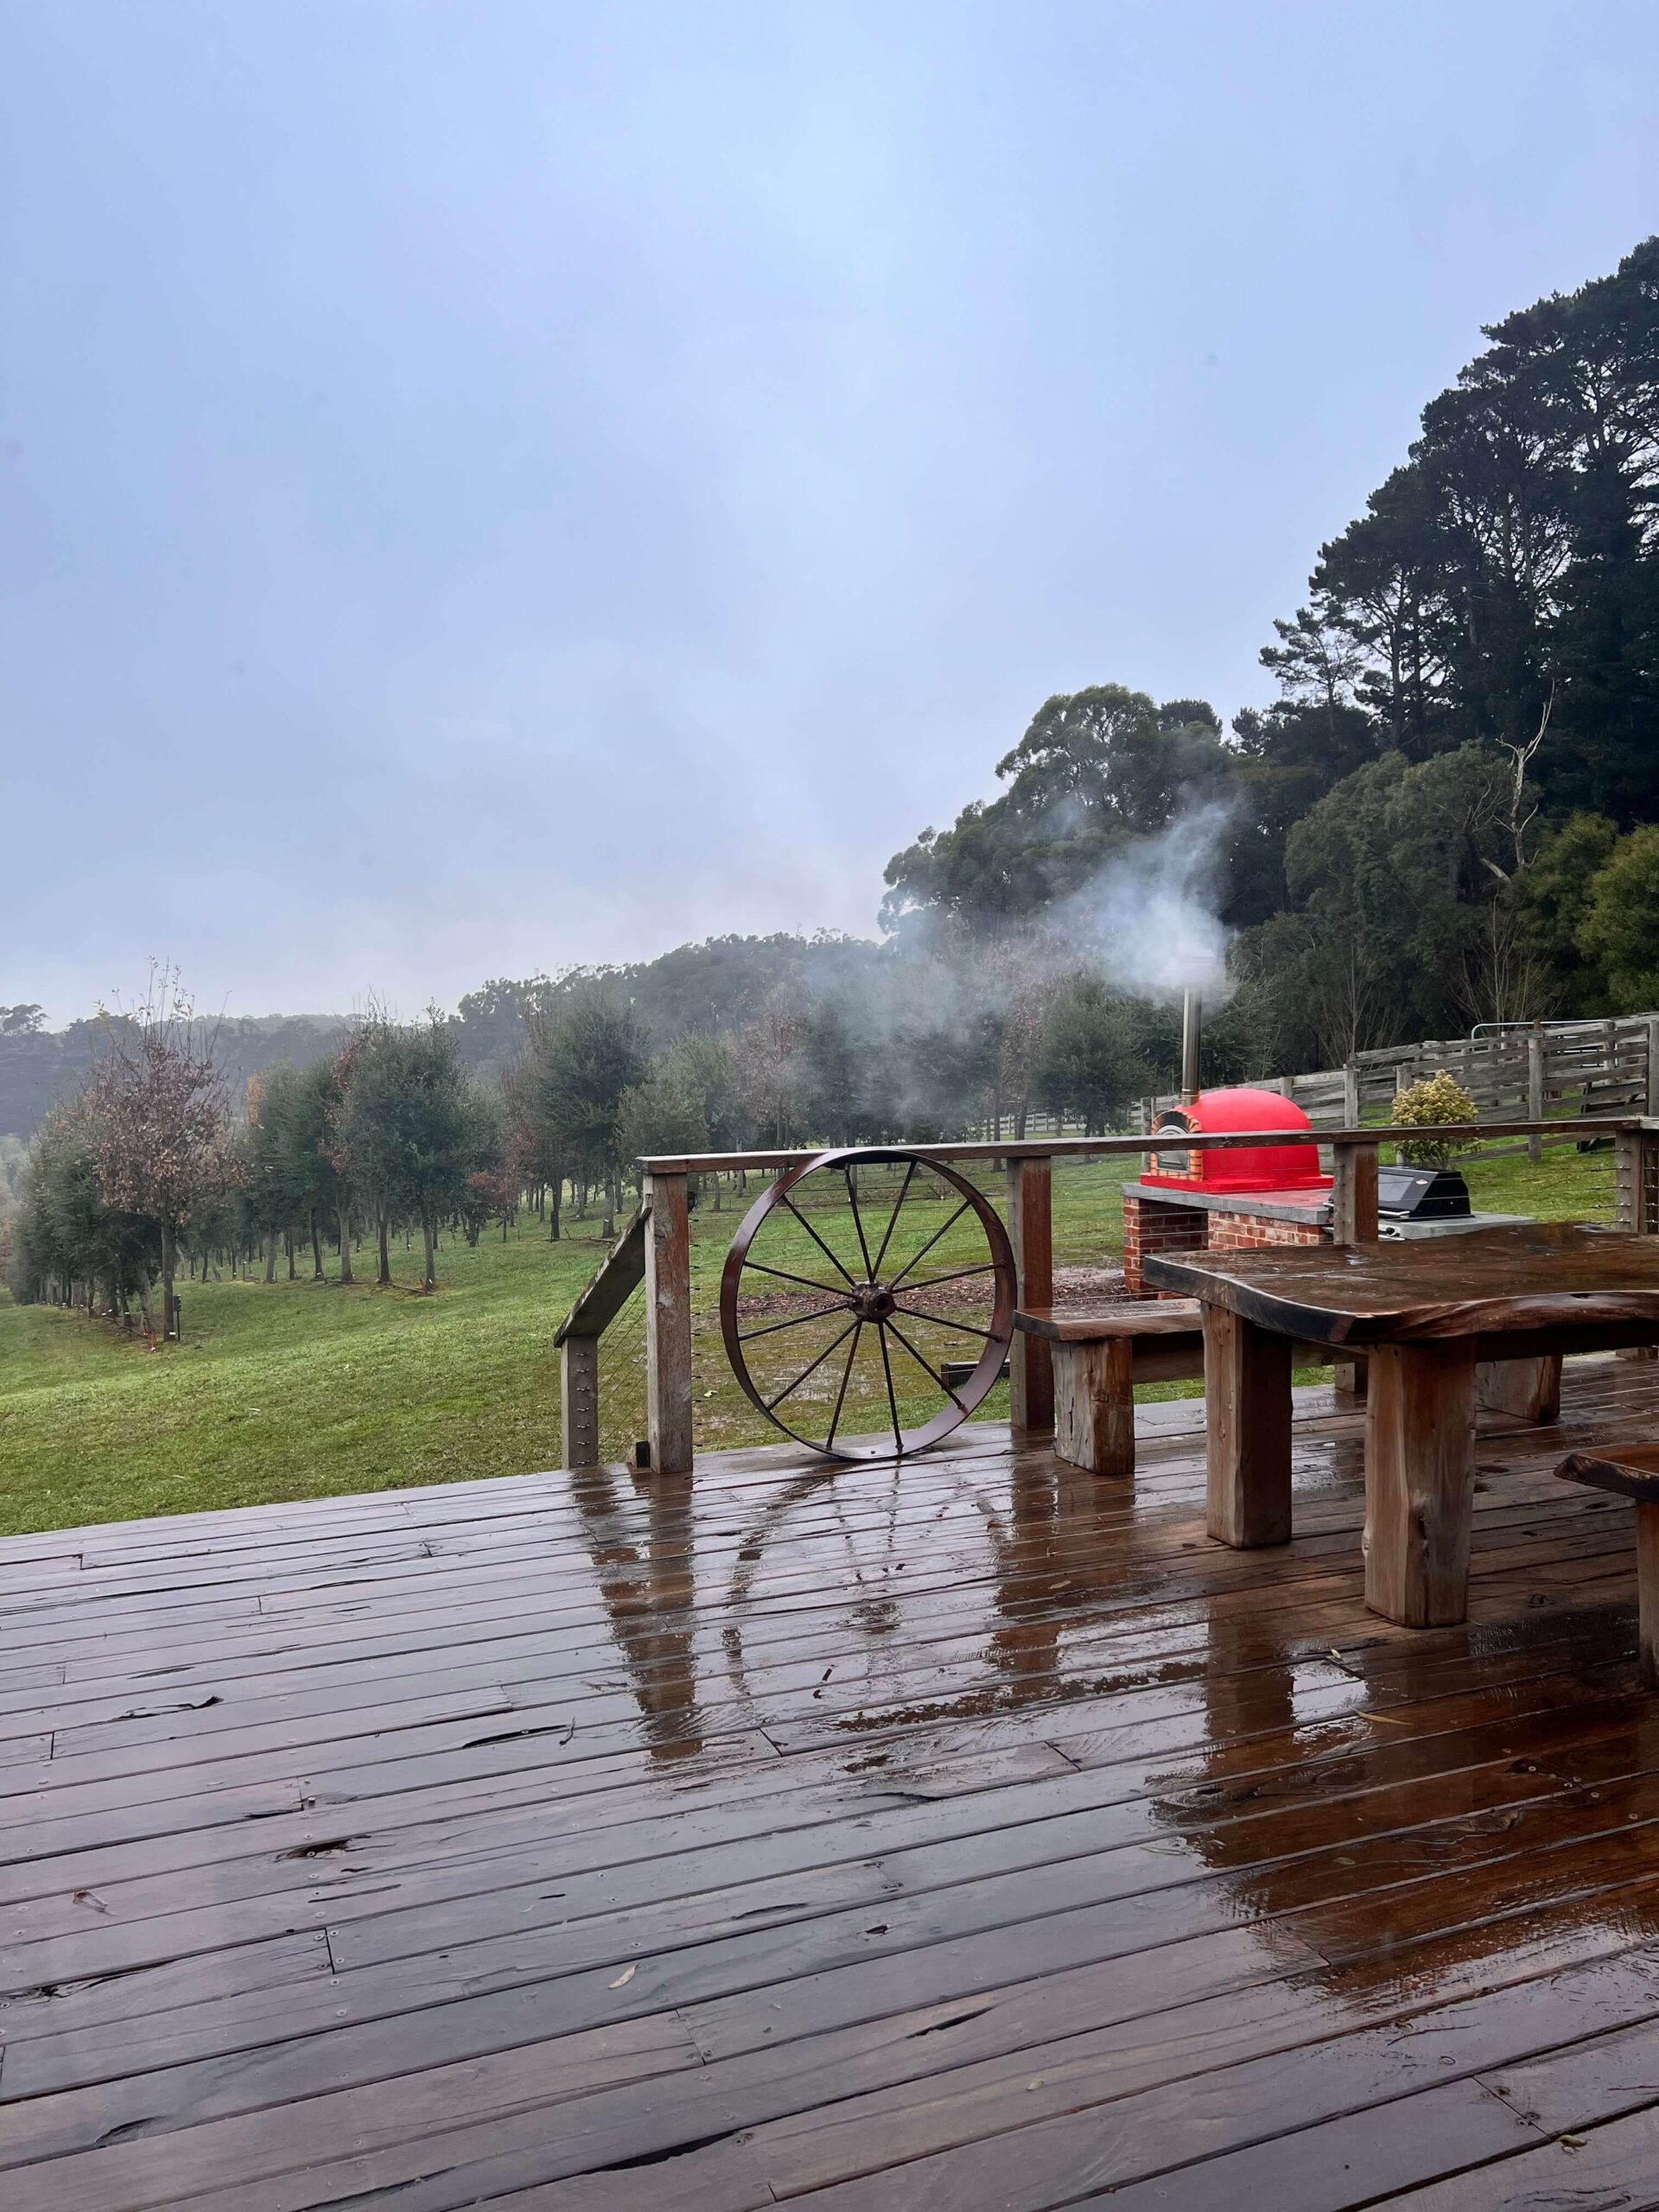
x=1647, y=1590
x=1419, y=1466
x=1247, y=1417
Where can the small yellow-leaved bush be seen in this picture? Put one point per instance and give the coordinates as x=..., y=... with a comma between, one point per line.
x=1437, y=1100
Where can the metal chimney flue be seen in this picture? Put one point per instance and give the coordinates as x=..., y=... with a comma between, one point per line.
x=1191, y=1018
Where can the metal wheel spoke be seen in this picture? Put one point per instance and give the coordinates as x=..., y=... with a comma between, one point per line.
x=819, y=1240
x=790, y=1389
x=967, y=1327
x=858, y=1220
x=926, y=1368
x=846, y=1377
x=772, y=1328
x=959, y=1275
x=931, y=1243
x=823, y=1289
x=892, y=1223
x=892, y=1402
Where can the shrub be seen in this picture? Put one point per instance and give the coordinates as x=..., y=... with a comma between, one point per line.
x=1437, y=1100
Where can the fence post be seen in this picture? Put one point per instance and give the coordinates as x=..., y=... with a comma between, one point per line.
x=1653, y=1064
x=1031, y=1231
x=1350, y=1093
x=668, y=1324
x=579, y=1401
x=1535, y=1088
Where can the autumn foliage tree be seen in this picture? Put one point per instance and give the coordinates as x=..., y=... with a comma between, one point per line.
x=161, y=1141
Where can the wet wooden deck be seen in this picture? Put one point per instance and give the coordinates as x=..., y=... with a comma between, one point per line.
x=982, y=1838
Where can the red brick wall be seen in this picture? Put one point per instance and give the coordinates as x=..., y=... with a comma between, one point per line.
x=1249, y=1232
x=1150, y=1225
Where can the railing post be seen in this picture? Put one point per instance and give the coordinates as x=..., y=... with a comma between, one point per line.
x=1353, y=1221
x=1535, y=1089
x=668, y=1324
x=1031, y=1365
x=579, y=1401
x=1353, y=1196
x=1636, y=1181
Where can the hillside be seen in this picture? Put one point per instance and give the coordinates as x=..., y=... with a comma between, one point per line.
x=40, y=1066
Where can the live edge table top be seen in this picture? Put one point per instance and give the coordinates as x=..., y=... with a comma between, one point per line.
x=1554, y=1276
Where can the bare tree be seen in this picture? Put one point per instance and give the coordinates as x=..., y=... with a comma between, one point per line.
x=767, y=1055
x=1523, y=805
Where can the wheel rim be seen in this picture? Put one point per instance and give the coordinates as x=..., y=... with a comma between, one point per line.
x=877, y=1301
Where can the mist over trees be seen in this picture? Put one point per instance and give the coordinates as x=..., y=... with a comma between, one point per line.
x=1445, y=817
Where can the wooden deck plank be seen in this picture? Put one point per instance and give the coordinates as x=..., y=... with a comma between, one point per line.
x=561, y=1841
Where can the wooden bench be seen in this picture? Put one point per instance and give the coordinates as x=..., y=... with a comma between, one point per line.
x=1632, y=1473
x=1100, y=1356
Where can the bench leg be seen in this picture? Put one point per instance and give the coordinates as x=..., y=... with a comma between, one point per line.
x=1093, y=1406
x=1419, y=1469
x=1647, y=1590
x=1530, y=1389
x=1247, y=1421
x=1349, y=1376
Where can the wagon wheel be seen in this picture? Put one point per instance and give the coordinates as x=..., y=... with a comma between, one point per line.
x=900, y=1267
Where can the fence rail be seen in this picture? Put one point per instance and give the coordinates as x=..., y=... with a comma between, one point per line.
x=656, y=1247
x=1545, y=1072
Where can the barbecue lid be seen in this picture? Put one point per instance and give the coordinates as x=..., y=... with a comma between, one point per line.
x=1421, y=1194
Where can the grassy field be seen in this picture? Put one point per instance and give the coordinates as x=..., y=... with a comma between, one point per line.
x=292, y=1390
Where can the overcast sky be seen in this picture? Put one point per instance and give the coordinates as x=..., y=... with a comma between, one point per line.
x=495, y=483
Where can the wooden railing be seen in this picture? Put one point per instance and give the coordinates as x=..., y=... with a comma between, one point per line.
x=656, y=1248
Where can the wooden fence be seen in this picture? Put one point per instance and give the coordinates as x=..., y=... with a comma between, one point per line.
x=1549, y=1071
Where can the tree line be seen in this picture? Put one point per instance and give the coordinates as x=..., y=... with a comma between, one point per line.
x=153, y=1165
x=148, y=1165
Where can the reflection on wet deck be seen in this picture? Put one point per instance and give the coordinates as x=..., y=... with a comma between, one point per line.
x=975, y=1834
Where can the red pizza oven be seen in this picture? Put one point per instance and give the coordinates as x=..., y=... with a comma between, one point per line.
x=1252, y=1168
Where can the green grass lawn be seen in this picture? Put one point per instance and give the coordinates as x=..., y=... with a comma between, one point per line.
x=293, y=1390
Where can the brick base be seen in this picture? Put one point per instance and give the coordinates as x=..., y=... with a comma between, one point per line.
x=1153, y=1225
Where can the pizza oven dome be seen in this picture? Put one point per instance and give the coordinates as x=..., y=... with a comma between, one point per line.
x=1255, y=1167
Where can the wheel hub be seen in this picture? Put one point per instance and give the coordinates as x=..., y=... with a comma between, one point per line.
x=872, y=1303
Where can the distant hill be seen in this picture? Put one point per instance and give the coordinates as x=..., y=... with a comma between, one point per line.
x=713, y=987
x=38, y=1066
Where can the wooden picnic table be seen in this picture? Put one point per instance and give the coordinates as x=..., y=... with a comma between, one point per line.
x=1428, y=1314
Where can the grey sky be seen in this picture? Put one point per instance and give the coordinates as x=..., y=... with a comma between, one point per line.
x=491, y=483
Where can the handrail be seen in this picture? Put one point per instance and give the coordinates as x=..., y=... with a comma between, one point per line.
x=607, y=1290
x=1574, y=1130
